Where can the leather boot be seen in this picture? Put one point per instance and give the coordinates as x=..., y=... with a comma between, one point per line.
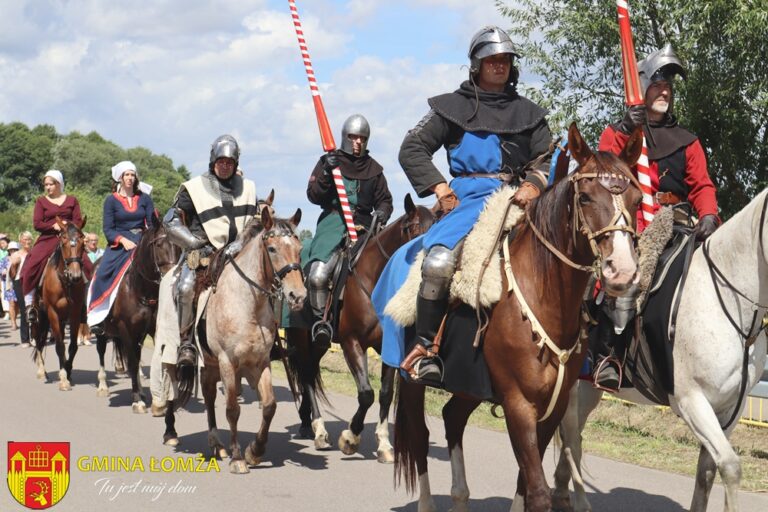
x=187, y=354
x=608, y=374
x=422, y=363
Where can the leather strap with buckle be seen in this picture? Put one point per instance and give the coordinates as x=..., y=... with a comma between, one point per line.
x=667, y=198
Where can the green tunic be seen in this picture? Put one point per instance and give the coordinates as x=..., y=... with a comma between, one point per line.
x=331, y=228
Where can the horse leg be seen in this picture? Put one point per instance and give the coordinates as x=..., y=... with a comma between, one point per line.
x=384, y=452
x=412, y=444
x=583, y=399
x=170, y=437
x=349, y=440
x=258, y=446
x=57, y=330
x=705, y=477
x=209, y=376
x=522, y=429
x=38, y=335
x=101, y=348
x=697, y=412
x=456, y=412
x=228, y=375
x=131, y=354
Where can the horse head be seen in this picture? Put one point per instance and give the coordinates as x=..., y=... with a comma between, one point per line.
x=72, y=246
x=606, y=196
x=416, y=221
x=282, y=249
x=164, y=253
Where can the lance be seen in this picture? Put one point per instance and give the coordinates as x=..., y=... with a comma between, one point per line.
x=322, y=121
x=633, y=95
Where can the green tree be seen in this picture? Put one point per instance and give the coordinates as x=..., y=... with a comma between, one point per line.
x=25, y=156
x=574, y=46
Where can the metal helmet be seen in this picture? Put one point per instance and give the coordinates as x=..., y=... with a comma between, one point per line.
x=355, y=124
x=224, y=146
x=489, y=40
x=660, y=65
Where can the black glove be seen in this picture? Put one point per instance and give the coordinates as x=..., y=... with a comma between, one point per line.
x=330, y=162
x=634, y=117
x=381, y=217
x=705, y=227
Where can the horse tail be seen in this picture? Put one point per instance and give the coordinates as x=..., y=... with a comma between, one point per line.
x=118, y=351
x=405, y=437
x=187, y=376
x=303, y=372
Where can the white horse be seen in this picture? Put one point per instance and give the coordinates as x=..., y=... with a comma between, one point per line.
x=709, y=356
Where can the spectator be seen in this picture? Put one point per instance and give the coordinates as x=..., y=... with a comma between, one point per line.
x=9, y=297
x=92, y=247
x=4, y=240
x=17, y=260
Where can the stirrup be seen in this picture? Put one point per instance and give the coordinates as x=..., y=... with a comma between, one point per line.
x=608, y=362
x=322, y=333
x=32, y=316
x=187, y=355
x=428, y=370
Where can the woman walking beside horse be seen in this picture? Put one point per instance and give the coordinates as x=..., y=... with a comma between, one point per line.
x=55, y=203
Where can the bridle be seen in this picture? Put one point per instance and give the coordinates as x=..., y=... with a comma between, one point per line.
x=276, y=282
x=64, y=275
x=616, y=184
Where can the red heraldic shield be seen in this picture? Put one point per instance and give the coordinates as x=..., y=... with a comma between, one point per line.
x=38, y=473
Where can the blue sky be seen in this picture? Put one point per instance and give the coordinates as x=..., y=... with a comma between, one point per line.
x=171, y=75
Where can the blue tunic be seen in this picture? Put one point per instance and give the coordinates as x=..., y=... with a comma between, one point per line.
x=120, y=221
x=478, y=152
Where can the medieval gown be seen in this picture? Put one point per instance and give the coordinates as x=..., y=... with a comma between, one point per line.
x=43, y=220
x=121, y=220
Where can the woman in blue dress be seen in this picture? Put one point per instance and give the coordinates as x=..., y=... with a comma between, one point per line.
x=127, y=214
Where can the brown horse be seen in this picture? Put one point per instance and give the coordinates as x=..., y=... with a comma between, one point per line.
x=134, y=312
x=358, y=331
x=240, y=328
x=582, y=223
x=62, y=300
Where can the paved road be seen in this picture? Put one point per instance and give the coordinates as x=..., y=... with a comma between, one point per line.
x=293, y=477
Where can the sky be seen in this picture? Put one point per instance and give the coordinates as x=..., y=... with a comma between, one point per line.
x=171, y=75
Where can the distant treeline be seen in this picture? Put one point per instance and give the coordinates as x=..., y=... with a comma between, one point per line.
x=85, y=160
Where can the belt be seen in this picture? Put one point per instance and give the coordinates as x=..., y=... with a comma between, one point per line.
x=503, y=176
x=136, y=231
x=667, y=198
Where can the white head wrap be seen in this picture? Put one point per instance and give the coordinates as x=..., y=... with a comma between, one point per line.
x=145, y=188
x=56, y=175
x=119, y=169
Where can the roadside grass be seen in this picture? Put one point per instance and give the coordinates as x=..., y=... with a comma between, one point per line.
x=641, y=435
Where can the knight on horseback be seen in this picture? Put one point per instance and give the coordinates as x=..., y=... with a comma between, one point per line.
x=369, y=197
x=678, y=177
x=490, y=133
x=208, y=213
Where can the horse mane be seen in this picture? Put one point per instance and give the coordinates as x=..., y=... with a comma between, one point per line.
x=255, y=227
x=547, y=214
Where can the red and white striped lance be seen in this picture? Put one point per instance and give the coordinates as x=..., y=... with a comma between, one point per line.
x=326, y=136
x=633, y=95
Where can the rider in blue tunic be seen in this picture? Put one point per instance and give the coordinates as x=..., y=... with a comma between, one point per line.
x=127, y=214
x=490, y=133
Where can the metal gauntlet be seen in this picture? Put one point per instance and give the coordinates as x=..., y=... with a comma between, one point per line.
x=178, y=233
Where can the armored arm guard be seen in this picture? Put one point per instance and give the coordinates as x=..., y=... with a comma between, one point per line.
x=178, y=233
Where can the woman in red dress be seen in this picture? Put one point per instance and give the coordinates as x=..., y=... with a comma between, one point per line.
x=54, y=203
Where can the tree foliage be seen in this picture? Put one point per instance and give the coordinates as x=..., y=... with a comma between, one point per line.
x=85, y=161
x=574, y=46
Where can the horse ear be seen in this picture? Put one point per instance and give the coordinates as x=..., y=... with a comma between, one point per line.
x=296, y=218
x=633, y=148
x=85, y=219
x=579, y=149
x=408, y=204
x=61, y=223
x=270, y=198
x=266, y=218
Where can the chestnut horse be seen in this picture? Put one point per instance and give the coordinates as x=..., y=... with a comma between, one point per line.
x=358, y=331
x=240, y=328
x=582, y=223
x=62, y=300
x=134, y=312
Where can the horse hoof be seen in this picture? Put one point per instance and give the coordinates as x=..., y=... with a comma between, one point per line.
x=305, y=432
x=251, y=457
x=158, y=410
x=349, y=442
x=221, y=453
x=170, y=440
x=385, y=456
x=102, y=392
x=321, y=442
x=238, y=467
x=42, y=376
x=65, y=386
x=139, y=408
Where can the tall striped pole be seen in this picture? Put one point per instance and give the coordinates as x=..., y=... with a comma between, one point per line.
x=326, y=136
x=633, y=95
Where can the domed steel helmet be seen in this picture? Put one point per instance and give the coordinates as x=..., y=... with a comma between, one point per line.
x=355, y=124
x=660, y=65
x=224, y=146
x=489, y=41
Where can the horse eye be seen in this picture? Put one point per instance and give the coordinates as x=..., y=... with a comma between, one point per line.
x=584, y=199
x=272, y=249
